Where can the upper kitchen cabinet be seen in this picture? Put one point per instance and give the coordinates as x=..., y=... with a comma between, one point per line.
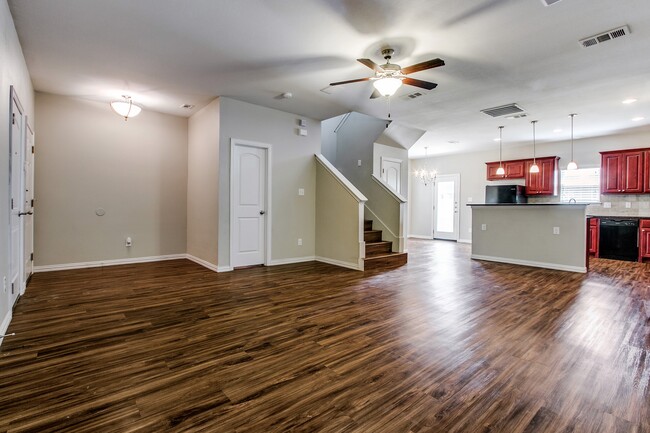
x=622, y=172
x=513, y=170
x=544, y=182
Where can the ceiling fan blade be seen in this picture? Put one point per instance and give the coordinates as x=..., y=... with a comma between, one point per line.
x=372, y=65
x=375, y=94
x=419, y=83
x=429, y=64
x=349, y=81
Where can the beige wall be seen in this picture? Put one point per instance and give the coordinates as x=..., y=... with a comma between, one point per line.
x=337, y=221
x=471, y=167
x=13, y=72
x=203, y=184
x=88, y=158
x=292, y=167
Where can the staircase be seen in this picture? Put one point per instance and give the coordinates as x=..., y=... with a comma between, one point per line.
x=379, y=253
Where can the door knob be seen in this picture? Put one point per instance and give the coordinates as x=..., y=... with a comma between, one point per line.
x=262, y=212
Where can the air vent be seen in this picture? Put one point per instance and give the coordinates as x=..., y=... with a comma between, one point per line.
x=549, y=2
x=604, y=37
x=413, y=95
x=504, y=110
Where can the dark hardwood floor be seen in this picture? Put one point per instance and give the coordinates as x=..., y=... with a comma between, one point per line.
x=442, y=344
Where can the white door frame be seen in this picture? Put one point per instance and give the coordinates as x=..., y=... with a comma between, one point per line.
x=456, y=179
x=234, y=142
x=28, y=158
x=18, y=206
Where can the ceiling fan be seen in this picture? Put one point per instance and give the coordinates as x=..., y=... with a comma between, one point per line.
x=390, y=76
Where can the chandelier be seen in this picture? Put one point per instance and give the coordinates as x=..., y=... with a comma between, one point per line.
x=426, y=175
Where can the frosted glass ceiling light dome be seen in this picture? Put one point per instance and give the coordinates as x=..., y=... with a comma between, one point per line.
x=125, y=108
x=387, y=86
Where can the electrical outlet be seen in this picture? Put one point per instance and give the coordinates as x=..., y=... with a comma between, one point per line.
x=607, y=205
x=469, y=199
x=484, y=227
x=301, y=191
x=128, y=241
x=556, y=230
x=359, y=163
x=299, y=242
x=628, y=205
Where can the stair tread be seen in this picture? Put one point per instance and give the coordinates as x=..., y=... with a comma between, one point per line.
x=372, y=231
x=383, y=254
x=370, y=243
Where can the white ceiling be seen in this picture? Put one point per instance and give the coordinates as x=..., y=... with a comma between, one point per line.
x=166, y=53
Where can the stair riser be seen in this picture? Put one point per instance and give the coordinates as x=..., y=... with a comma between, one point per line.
x=385, y=262
x=372, y=236
x=379, y=248
x=367, y=225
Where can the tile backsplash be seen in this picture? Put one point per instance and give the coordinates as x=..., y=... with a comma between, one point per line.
x=639, y=205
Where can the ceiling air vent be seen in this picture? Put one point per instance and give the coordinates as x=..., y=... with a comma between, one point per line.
x=604, y=37
x=549, y=2
x=504, y=110
x=413, y=95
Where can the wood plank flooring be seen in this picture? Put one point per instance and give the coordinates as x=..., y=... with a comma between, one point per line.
x=442, y=344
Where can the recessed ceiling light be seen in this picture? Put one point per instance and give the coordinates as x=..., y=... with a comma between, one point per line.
x=638, y=119
x=453, y=142
x=630, y=101
x=187, y=106
x=557, y=131
x=497, y=139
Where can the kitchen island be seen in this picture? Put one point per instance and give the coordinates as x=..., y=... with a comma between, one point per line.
x=544, y=235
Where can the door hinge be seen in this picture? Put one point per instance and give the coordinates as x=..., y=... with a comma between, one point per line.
x=32, y=149
x=12, y=288
x=13, y=118
x=12, y=203
x=31, y=257
x=32, y=202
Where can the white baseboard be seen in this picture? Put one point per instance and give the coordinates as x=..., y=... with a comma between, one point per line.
x=100, y=263
x=202, y=262
x=421, y=237
x=464, y=241
x=556, y=266
x=291, y=261
x=225, y=269
x=341, y=263
x=5, y=325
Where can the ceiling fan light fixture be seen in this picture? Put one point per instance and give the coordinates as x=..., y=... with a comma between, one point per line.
x=125, y=108
x=387, y=86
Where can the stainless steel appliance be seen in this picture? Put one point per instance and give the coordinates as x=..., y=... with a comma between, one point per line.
x=619, y=239
x=495, y=194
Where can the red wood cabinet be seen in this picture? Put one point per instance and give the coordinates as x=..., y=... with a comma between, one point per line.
x=646, y=172
x=622, y=172
x=544, y=182
x=644, y=239
x=513, y=170
x=594, y=236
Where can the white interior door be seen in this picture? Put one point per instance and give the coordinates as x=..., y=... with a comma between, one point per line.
x=391, y=173
x=16, y=186
x=28, y=207
x=446, y=216
x=248, y=202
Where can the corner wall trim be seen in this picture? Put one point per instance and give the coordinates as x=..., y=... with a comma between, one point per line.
x=5, y=324
x=100, y=263
x=555, y=266
x=292, y=260
x=202, y=262
x=225, y=269
x=341, y=263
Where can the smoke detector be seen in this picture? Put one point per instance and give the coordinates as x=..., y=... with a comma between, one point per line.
x=605, y=36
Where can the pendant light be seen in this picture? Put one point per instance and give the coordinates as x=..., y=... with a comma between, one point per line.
x=500, y=170
x=125, y=108
x=426, y=175
x=572, y=165
x=534, y=168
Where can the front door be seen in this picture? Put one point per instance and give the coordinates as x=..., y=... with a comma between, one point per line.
x=446, y=216
x=391, y=173
x=15, y=205
x=28, y=208
x=249, y=202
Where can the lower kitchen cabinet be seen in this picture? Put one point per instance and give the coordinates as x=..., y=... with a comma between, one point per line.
x=594, y=236
x=644, y=239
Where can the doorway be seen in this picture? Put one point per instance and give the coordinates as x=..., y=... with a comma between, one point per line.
x=446, y=216
x=250, y=202
x=391, y=173
x=16, y=186
x=28, y=207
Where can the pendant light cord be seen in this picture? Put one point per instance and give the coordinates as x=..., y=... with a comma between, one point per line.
x=500, y=144
x=572, y=136
x=534, y=143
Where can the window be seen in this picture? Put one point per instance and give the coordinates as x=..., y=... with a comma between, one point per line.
x=583, y=185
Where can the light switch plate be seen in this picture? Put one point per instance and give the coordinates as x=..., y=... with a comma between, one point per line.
x=483, y=227
x=556, y=230
x=628, y=205
x=301, y=191
x=469, y=199
x=359, y=163
x=607, y=205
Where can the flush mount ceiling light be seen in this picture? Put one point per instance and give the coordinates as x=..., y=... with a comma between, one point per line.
x=572, y=165
x=500, y=170
x=534, y=168
x=125, y=108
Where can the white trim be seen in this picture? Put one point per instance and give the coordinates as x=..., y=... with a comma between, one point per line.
x=354, y=192
x=362, y=237
x=202, y=262
x=292, y=260
x=101, y=263
x=464, y=241
x=393, y=194
x=225, y=269
x=421, y=237
x=340, y=263
x=5, y=324
x=556, y=266
x=268, y=216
